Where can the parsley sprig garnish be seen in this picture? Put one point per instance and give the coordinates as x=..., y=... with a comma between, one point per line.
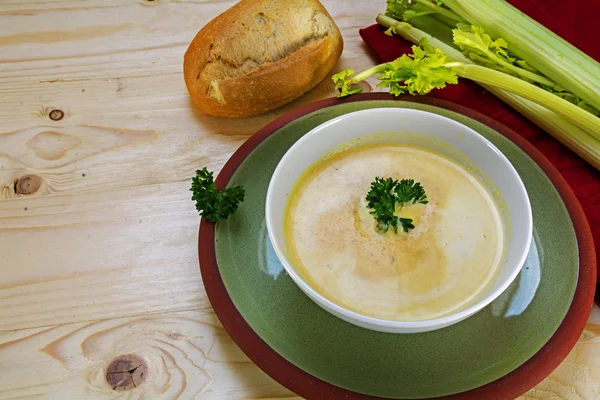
x=381, y=199
x=407, y=190
x=385, y=194
x=214, y=204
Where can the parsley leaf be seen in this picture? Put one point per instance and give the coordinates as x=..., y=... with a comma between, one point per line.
x=382, y=201
x=383, y=196
x=406, y=224
x=407, y=191
x=214, y=204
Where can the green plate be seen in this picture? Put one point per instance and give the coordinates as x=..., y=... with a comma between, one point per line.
x=479, y=350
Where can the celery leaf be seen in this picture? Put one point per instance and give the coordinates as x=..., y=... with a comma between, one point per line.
x=343, y=86
x=417, y=73
x=479, y=43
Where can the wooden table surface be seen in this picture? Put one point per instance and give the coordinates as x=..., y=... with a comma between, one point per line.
x=98, y=235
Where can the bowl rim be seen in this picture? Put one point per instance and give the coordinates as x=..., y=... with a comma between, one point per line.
x=394, y=325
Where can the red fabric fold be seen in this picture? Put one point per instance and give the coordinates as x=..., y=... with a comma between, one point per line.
x=574, y=21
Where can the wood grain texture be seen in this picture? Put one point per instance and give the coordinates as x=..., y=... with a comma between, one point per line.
x=184, y=355
x=98, y=141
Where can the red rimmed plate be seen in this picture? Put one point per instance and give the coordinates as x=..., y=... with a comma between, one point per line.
x=290, y=367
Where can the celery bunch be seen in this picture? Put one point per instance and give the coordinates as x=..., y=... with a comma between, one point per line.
x=453, y=44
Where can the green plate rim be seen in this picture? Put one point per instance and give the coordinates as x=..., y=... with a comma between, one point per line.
x=544, y=361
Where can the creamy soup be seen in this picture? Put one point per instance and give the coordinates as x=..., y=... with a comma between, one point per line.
x=438, y=267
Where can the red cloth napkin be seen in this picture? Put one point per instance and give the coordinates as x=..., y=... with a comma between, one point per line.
x=574, y=21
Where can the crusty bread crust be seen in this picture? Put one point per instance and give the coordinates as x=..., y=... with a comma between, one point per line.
x=259, y=55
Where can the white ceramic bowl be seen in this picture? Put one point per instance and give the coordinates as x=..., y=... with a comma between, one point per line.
x=428, y=130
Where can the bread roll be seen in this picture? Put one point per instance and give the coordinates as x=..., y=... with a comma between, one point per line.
x=259, y=55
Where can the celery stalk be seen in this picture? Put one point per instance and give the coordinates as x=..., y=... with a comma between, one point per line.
x=500, y=80
x=538, y=46
x=427, y=69
x=436, y=34
x=575, y=138
x=427, y=23
x=428, y=5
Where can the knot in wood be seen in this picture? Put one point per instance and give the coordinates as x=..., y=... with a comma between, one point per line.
x=56, y=115
x=126, y=372
x=28, y=184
